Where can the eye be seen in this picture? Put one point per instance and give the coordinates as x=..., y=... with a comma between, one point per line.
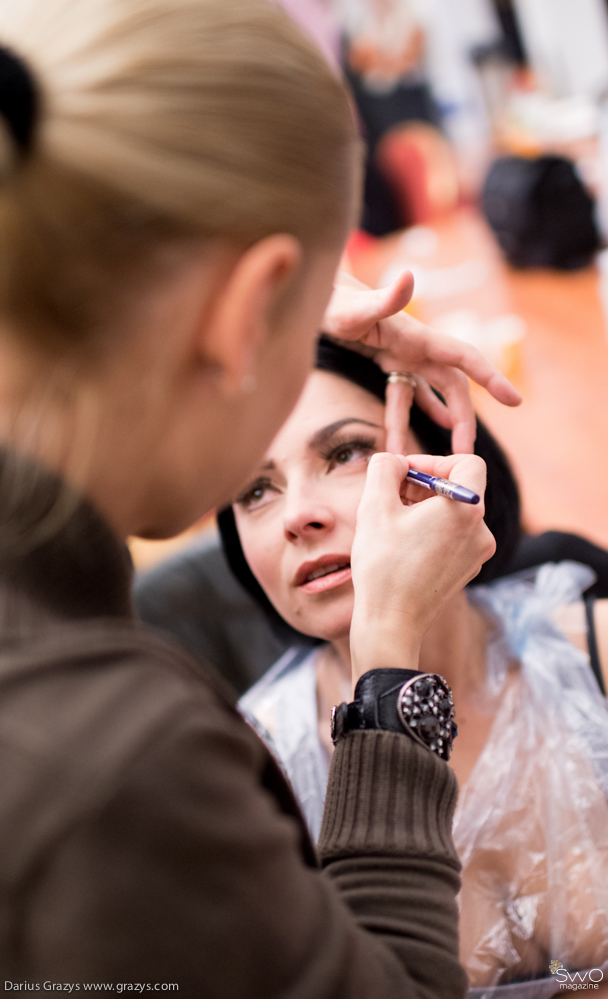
x=255, y=494
x=346, y=452
x=344, y=455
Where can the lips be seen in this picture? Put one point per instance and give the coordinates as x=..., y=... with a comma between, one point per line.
x=324, y=573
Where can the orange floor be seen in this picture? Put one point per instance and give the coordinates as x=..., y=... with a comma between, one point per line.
x=559, y=436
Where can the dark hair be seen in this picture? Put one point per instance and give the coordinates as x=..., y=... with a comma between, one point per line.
x=502, y=503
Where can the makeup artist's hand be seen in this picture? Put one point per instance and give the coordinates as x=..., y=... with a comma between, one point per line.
x=412, y=551
x=376, y=322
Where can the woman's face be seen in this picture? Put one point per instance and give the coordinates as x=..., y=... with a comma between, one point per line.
x=296, y=517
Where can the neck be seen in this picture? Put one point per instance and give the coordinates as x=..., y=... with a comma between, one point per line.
x=455, y=646
x=340, y=650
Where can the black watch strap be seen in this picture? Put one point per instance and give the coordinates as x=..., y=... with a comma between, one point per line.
x=401, y=700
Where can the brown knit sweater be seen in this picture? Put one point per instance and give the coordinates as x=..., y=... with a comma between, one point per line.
x=148, y=838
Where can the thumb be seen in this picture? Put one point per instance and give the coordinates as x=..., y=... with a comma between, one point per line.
x=394, y=298
x=353, y=310
x=385, y=475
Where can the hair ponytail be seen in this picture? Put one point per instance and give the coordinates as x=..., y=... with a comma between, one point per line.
x=160, y=121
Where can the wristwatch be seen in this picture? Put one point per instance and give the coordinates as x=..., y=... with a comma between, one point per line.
x=401, y=700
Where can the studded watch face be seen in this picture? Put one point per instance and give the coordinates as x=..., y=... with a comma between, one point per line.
x=426, y=709
x=339, y=715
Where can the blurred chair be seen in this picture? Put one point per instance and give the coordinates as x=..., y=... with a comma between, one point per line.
x=194, y=598
x=420, y=167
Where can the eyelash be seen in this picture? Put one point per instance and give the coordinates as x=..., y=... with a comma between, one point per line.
x=365, y=444
x=246, y=498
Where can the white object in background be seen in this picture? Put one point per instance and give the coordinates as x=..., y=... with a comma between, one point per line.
x=492, y=337
x=555, y=119
x=602, y=171
x=440, y=282
x=453, y=29
x=567, y=42
x=602, y=266
x=419, y=241
x=317, y=18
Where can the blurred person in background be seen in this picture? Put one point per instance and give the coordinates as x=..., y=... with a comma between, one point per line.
x=531, y=755
x=383, y=61
x=178, y=178
x=317, y=18
x=385, y=52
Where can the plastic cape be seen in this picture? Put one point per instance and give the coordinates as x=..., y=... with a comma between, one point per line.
x=282, y=707
x=531, y=827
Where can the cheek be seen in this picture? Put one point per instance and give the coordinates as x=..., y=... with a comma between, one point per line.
x=262, y=545
x=345, y=493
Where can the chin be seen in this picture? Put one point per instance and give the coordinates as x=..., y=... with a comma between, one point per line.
x=155, y=533
x=328, y=618
x=167, y=529
x=329, y=628
x=167, y=516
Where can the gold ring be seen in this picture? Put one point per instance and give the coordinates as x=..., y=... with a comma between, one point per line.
x=402, y=378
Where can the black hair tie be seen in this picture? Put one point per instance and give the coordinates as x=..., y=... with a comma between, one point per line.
x=19, y=103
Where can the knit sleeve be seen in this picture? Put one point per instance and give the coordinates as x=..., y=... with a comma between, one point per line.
x=386, y=844
x=190, y=870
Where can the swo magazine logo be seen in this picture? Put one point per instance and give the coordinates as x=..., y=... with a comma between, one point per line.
x=576, y=979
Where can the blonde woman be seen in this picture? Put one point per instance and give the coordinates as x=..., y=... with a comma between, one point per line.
x=177, y=181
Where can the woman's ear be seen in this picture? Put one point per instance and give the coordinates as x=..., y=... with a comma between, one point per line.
x=244, y=310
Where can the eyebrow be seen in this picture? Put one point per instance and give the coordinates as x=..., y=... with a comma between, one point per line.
x=322, y=436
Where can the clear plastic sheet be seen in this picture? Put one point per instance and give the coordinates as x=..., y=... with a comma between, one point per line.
x=282, y=707
x=531, y=826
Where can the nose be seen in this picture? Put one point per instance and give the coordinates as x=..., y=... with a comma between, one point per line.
x=306, y=516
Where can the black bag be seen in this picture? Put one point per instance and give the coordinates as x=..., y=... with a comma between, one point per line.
x=541, y=213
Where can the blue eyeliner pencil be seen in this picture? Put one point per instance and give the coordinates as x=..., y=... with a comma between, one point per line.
x=443, y=487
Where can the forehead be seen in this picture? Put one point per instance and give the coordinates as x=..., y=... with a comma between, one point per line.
x=325, y=399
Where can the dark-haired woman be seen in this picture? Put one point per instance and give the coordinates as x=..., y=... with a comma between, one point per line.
x=532, y=749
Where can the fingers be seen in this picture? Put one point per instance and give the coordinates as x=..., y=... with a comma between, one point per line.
x=466, y=469
x=401, y=343
x=394, y=298
x=457, y=414
x=455, y=389
x=486, y=374
x=407, y=561
x=430, y=403
x=410, y=345
x=399, y=398
x=354, y=310
x=385, y=474
x=463, y=437
x=448, y=352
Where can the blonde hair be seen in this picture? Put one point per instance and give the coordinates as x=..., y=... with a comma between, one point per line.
x=161, y=120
